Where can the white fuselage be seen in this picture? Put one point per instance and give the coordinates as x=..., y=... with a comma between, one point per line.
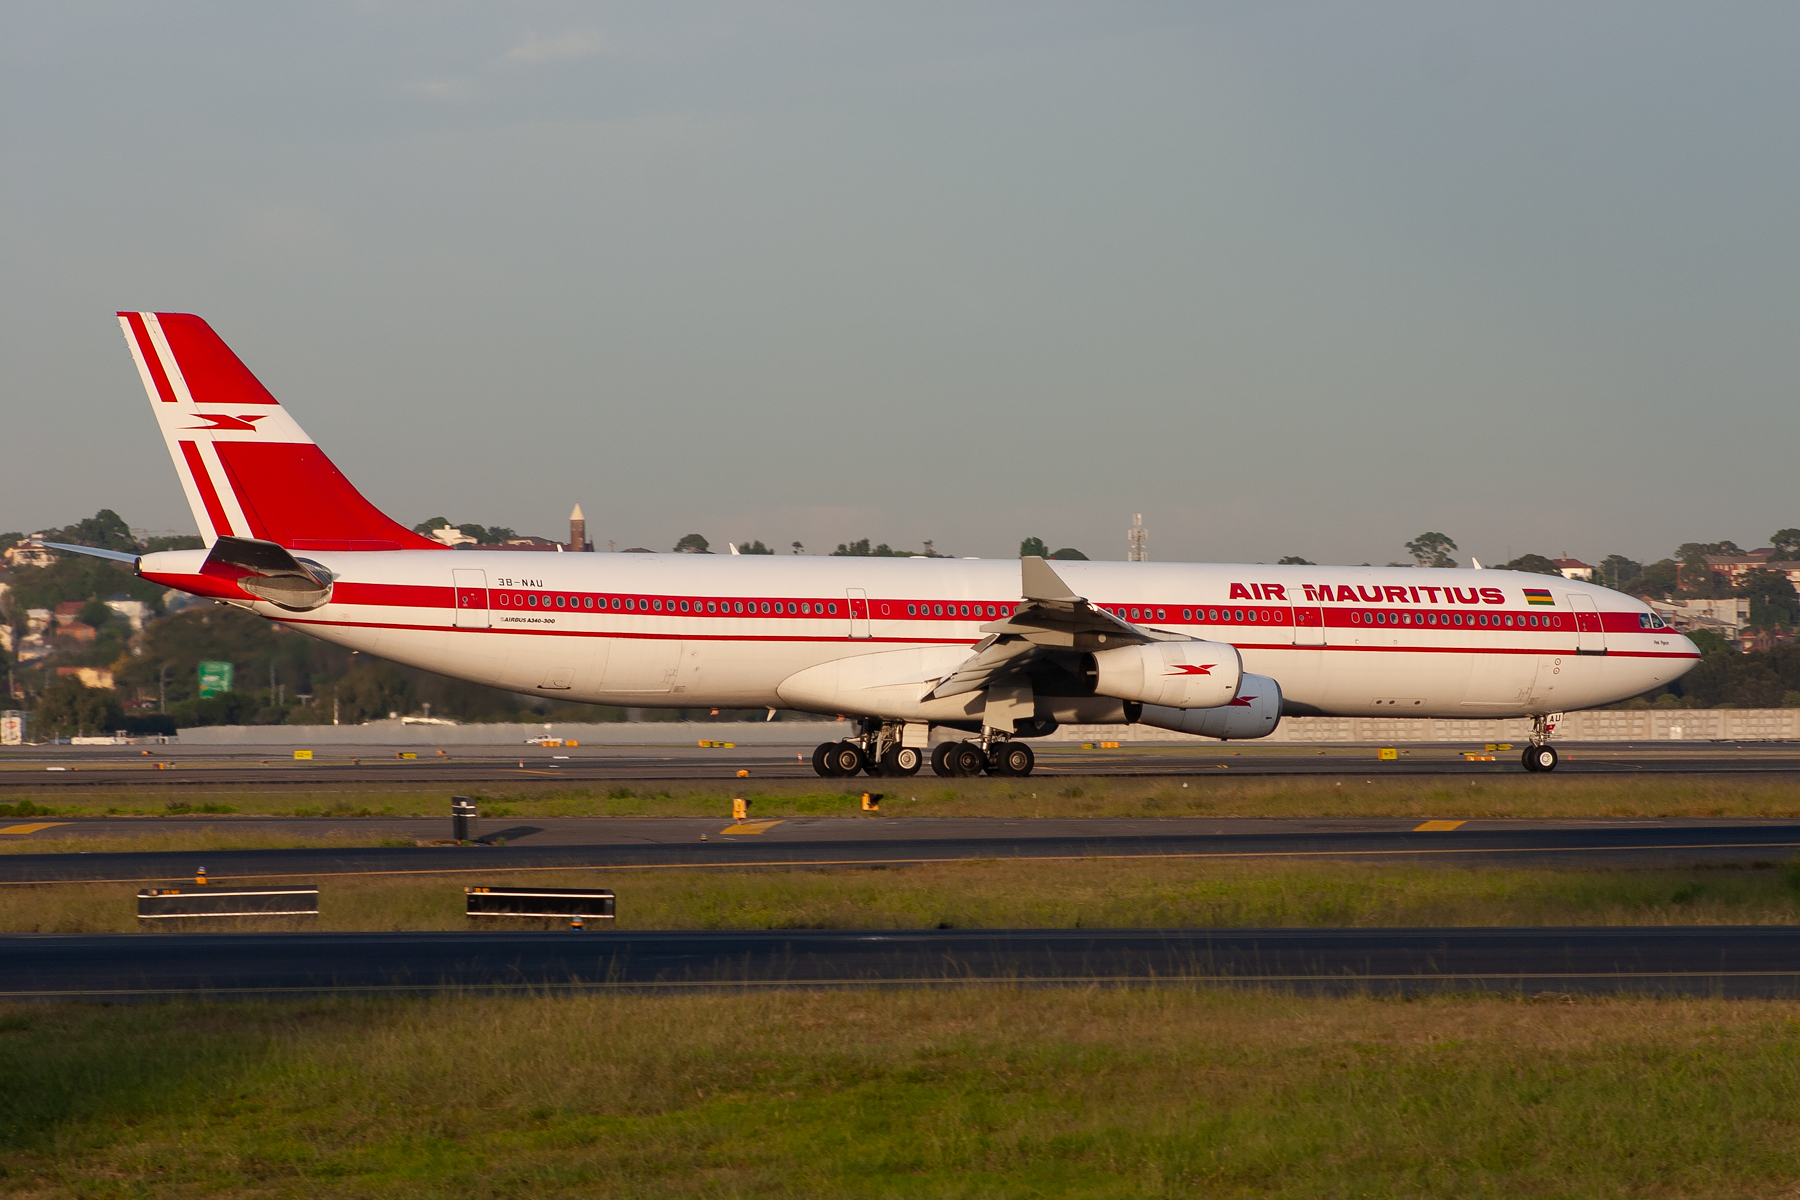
x=729, y=631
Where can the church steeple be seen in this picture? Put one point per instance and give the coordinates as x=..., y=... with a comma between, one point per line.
x=578, y=539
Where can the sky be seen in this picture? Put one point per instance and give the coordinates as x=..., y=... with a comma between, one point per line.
x=1287, y=278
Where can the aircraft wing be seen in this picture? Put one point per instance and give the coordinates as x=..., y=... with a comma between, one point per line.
x=1052, y=617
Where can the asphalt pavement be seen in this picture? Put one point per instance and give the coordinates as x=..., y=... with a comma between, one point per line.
x=1757, y=961
x=628, y=844
x=48, y=769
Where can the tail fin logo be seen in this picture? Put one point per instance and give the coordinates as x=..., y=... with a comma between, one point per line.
x=244, y=421
x=247, y=468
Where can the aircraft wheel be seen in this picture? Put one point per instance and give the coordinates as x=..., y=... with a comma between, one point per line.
x=1011, y=758
x=1541, y=758
x=844, y=758
x=818, y=758
x=940, y=759
x=966, y=758
x=901, y=760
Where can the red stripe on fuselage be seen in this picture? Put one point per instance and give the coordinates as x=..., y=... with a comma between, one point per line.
x=917, y=641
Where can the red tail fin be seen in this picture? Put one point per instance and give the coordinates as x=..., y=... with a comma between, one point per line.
x=248, y=469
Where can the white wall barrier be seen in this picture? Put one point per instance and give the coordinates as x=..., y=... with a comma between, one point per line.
x=1629, y=725
x=1634, y=725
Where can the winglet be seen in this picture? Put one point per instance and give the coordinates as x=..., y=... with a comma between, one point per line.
x=1037, y=581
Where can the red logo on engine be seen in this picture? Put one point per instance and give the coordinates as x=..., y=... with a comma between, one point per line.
x=220, y=421
x=1240, y=702
x=1187, y=669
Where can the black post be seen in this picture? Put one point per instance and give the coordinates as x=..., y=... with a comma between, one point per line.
x=462, y=811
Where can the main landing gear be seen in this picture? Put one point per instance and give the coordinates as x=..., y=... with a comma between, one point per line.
x=951, y=759
x=1540, y=755
x=878, y=751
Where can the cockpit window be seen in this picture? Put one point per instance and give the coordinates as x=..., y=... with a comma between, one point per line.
x=1650, y=621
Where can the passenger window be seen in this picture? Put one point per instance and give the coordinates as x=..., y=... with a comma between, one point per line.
x=832, y=609
x=806, y=607
x=534, y=601
x=937, y=610
x=712, y=606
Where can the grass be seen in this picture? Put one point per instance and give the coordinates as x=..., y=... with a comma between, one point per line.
x=1095, y=893
x=198, y=840
x=1361, y=791
x=980, y=1092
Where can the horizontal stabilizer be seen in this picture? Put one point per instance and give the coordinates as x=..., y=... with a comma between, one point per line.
x=94, y=552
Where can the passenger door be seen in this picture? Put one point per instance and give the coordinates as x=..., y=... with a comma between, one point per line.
x=1309, y=626
x=1590, y=634
x=859, y=612
x=471, y=592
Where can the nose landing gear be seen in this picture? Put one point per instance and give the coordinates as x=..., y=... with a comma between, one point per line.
x=1540, y=755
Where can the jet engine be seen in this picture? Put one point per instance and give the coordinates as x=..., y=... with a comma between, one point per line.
x=1253, y=713
x=1170, y=674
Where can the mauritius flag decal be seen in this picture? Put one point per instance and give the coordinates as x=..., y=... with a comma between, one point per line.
x=1539, y=596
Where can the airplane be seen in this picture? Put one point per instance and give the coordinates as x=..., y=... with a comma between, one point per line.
x=959, y=661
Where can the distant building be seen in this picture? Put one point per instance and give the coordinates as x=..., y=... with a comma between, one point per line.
x=69, y=613
x=37, y=620
x=94, y=677
x=578, y=538
x=1726, y=617
x=527, y=543
x=132, y=609
x=30, y=553
x=1574, y=568
x=32, y=647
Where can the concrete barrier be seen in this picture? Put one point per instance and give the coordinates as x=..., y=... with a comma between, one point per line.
x=1601, y=725
x=607, y=733
x=1630, y=725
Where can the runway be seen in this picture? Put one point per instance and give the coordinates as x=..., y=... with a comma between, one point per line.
x=49, y=769
x=635, y=844
x=1704, y=961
